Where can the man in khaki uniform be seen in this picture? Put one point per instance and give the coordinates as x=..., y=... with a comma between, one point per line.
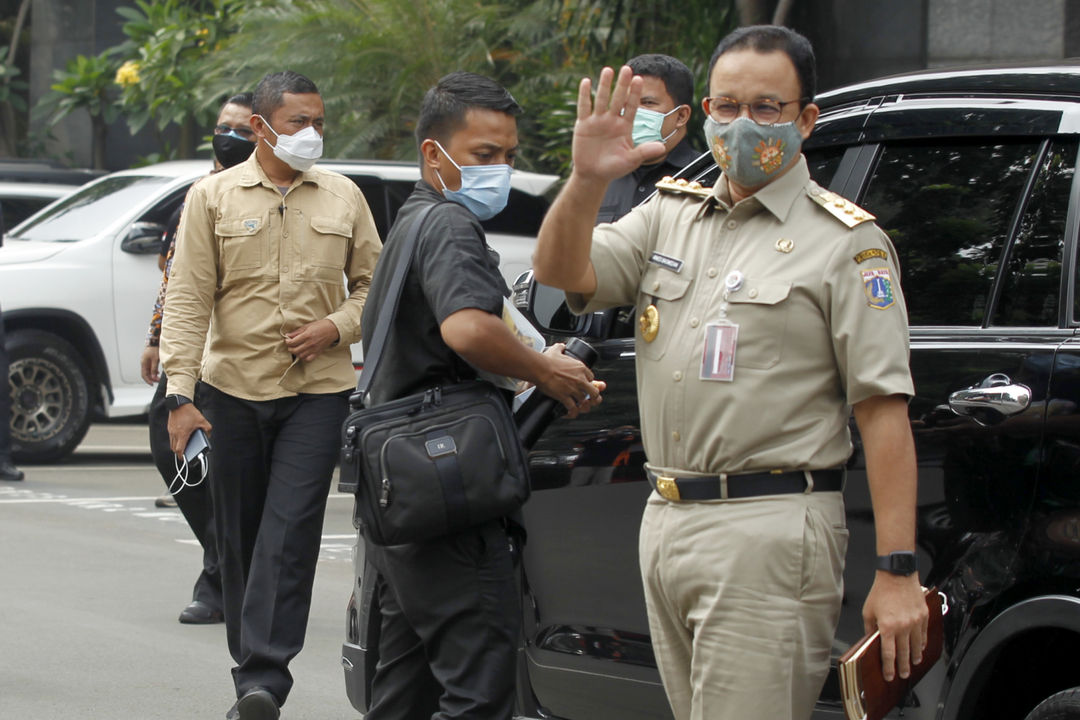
x=261, y=255
x=769, y=308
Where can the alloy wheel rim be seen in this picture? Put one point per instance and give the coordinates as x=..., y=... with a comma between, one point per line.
x=40, y=399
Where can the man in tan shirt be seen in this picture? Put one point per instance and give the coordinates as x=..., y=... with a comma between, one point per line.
x=768, y=310
x=262, y=252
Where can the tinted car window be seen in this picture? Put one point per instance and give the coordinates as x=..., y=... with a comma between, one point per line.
x=91, y=207
x=1031, y=284
x=18, y=209
x=522, y=215
x=823, y=163
x=948, y=206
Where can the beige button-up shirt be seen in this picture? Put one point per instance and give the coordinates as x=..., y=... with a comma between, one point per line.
x=821, y=325
x=252, y=265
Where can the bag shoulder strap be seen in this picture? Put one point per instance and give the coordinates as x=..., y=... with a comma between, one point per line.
x=389, y=309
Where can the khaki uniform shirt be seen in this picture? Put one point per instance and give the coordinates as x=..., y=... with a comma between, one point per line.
x=252, y=265
x=821, y=324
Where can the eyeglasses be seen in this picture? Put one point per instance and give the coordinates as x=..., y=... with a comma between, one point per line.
x=243, y=132
x=762, y=111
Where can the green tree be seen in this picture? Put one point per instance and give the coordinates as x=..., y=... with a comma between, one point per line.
x=373, y=59
x=12, y=87
x=168, y=44
x=86, y=83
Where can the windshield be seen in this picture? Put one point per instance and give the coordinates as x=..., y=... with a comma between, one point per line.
x=82, y=214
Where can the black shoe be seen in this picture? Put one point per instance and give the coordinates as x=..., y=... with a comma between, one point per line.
x=165, y=501
x=9, y=472
x=199, y=613
x=257, y=704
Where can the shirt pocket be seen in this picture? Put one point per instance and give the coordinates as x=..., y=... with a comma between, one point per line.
x=667, y=291
x=325, y=248
x=760, y=310
x=244, y=250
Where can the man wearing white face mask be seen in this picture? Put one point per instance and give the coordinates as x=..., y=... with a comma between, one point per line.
x=261, y=252
x=663, y=114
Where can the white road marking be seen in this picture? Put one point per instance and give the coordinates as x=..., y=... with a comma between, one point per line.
x=13, y=496
x=141, y=506
x=143, y=449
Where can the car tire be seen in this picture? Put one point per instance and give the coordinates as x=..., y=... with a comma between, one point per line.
x=1064, y=705
x=50, y=408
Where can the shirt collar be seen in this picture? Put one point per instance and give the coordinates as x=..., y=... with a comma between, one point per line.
x=778, y=196
x=252, y=173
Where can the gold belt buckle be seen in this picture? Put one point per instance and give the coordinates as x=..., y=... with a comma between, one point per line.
x=667, y=488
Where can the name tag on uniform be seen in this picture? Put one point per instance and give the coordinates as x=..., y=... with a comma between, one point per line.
x=718, y=358
x=670, y=263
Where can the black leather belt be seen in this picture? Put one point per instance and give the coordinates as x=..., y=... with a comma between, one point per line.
x=725, y=487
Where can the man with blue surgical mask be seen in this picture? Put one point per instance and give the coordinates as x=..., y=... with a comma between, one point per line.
x=450, y=612
x=663, y=115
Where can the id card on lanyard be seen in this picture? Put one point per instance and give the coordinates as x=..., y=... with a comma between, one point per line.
x=718, y=357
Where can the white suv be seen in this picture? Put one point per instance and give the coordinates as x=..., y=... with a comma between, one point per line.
x=78, y=282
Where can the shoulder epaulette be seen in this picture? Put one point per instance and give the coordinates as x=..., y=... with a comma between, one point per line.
x=682, y=186
x=839, y=207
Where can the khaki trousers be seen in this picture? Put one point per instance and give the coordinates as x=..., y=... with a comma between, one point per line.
x=743, y=599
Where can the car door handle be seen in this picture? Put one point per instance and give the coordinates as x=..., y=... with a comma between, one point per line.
x=991, y=401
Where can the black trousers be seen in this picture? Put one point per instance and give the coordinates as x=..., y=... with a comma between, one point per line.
x=270, y=469
x=5, y=400
x=194, y=502
x=450, y=624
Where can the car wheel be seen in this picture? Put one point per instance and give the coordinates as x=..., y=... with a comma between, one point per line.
x=50, y=401
x=1064, y=705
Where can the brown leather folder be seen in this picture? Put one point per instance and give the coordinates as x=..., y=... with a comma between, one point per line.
x=866, y=694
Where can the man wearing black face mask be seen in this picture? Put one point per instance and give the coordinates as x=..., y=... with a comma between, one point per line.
x=231, y=147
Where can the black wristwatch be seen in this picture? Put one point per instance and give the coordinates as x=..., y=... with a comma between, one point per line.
x=173, y=402
x=898, y=563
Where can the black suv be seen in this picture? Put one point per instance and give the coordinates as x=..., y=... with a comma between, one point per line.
x=972, y=175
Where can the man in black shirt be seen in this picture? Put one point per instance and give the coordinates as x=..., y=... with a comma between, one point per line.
x=663, y=113
x=450, y=607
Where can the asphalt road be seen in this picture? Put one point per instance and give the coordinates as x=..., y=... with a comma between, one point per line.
x=93, y=576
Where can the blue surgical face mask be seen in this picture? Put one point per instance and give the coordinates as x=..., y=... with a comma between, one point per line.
x=484, y=188
x=648, y=125
x=751, y=154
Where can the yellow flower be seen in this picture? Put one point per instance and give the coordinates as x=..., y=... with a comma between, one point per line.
x=128, y=74
x=203, y=32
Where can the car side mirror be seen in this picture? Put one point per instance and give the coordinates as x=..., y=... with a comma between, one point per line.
x=546, y=307
x=143, y=238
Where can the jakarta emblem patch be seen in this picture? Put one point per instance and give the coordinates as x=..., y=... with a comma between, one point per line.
x=878, y=286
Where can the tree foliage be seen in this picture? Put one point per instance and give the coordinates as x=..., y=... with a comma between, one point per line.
x=374, y=59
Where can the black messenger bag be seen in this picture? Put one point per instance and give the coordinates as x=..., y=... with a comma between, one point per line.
x=433, y=463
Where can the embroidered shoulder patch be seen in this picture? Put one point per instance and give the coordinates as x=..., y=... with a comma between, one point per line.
x=871, y=253
x=839, y=207
x=878, y=287
x=682, y=186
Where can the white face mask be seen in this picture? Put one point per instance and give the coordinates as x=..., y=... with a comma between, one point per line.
x=298, y=151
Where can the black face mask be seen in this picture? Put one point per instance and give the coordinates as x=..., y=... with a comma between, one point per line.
x=230, y=150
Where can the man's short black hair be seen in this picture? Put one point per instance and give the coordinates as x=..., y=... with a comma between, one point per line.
x=677, y=78
x=244, y=99
x=443, y=110
x=769, y=38
x=271, y=89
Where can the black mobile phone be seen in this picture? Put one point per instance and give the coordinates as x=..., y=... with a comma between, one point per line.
x=197, y=445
